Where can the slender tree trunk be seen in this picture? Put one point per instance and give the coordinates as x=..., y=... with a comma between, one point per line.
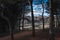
x=12, y=37
x=11, y=30
x=43, y=14
x=33, y=26
x=52, y=26
x=23, y=23
x=56, y=18
x=57, y=21
x=22, y=16
x=19, y=23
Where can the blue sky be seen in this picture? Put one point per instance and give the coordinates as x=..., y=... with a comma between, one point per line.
x=36, y=2
x=37, y=8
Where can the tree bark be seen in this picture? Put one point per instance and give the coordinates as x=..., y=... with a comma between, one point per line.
x=33, y=26
x=52, y=26
x=43, y=14
x=23, y=23
x=19, y=23
x=57, y=21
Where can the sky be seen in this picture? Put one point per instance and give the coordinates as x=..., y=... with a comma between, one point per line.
x=37, y=8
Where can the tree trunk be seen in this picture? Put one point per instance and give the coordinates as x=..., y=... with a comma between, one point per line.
x=10, y=26
x=12, y=37
x=33, y=26
x=52, y=26
x=43, y=14
x=57, y=21
x=23, y=23
x=19, y=23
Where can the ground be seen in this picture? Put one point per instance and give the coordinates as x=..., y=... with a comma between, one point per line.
x=27, y=35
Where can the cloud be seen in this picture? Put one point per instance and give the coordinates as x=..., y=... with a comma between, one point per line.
x=37, y=9
x=37, y=13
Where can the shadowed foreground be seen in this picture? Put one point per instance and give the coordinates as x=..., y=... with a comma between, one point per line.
x=27, y=35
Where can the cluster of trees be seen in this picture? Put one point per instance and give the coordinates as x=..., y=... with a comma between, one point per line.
x=10, y=11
